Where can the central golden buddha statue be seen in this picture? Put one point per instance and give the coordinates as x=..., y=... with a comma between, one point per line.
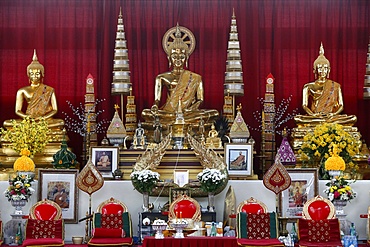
x=184, y=87
x=322, y=99
x=40, y=99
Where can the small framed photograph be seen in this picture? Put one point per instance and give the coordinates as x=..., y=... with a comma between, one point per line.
x=105, y=159
x=304, y=186
x=59, y=185
x=239, y=159
x=176, y=192
x=181, y=177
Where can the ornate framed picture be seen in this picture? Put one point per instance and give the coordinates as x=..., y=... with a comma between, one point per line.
x=181, y=177
x=239, y=159
x=59, y=185
x=304, y=186
x=105, y=159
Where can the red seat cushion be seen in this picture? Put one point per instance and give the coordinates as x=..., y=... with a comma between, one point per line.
x=112, y=208
x=110, y=241
x=108, y=233
x=51, y=229
x=43, y=242
x=185, y=209
x=319, y=210
x=45, y=212
x=259, y=242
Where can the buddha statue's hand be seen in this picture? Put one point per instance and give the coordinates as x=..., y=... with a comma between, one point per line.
x=154, y=109
x=193, y=107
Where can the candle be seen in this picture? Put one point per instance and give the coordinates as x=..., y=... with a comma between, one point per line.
x=180, y=215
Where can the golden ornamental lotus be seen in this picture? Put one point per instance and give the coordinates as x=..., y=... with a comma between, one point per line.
x=335, y=162
x=24, y=163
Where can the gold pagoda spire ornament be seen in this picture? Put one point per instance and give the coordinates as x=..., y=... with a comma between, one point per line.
x=234, y=85
x=121, y=83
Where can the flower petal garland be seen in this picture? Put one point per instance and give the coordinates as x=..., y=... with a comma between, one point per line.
x=318, y=145
x=339, y=189
x=144, y=180
x=28, y=133
x=211, y=179
x=19, y=188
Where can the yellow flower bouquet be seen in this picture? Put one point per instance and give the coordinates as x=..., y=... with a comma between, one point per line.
x=28, y=134
x=319, y=145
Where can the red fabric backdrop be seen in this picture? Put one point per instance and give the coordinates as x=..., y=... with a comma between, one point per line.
x=75, y=38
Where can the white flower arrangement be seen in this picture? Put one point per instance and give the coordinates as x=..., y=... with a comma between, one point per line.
x=144, y=180
x=211, y=179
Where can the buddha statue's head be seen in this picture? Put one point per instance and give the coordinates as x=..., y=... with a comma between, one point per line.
x=178, y=51
x=35, y=70
x=321, y=66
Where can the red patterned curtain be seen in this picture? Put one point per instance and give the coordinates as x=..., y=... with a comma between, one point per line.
x=75, y=38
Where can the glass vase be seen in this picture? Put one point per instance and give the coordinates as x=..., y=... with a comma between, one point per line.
x=145, y=201
x=211, y=202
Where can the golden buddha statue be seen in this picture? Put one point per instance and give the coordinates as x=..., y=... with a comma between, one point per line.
x=322, y=99
x=180, y=83
x=40, y=99
x=35, y=101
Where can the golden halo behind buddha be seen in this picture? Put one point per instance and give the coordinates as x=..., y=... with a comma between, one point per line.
x=186, y=36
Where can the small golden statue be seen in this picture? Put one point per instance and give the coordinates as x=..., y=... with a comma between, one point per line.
x=213, y=141
x=322, y=99
x=180, y=83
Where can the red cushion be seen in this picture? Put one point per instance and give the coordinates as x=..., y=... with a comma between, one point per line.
x=112, y=221
x=259, y=242
x=319, y=210
x=253, y=208
x=45, y=212
x=185, y=209
x=318, y=230
x=112, y=208
x=306, y=240
x=258, y=226
x=37, y=229
x=47, y=242
x=108, y=233
x=110, y=241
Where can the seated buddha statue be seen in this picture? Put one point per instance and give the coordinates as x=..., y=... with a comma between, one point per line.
x=322, y=99
x=183, y=86
x=39, y=98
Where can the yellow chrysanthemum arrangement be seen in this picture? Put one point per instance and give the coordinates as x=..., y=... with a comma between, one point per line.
x=335, y=162
x=318, y=145
x=28, y=134
x=24, y=163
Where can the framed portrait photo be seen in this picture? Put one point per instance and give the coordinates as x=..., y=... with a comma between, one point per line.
x=181, y=177
x=304, y=186
x=59, y=185
x=105, y=159
x=239, y=159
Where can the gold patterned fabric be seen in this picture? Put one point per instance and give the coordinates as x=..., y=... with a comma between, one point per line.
x=277, y=178
x=89, y=179
x=258, y=226
x=44, y=228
